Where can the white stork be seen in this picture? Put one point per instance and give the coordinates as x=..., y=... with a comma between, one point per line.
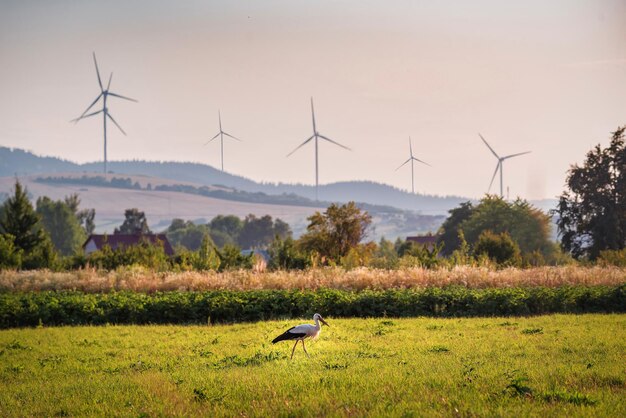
x=300, y=332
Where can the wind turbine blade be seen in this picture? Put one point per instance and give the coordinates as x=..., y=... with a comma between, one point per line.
x=516, y=155
x=423, y=162
x=493, y=177
x=403, y=164
x=86, y=116
x=334, y=142
x=87, y=110
x=122, y=97
x=116, y=124
x=410, y=147
x=97, y=71
x=109, y=85
x=301, y=145
x=313, y=116
x=219, y=117
x=232, y=136
x=215, y=137
x=489, y=146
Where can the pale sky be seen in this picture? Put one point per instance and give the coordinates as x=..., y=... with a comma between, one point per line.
x=544, y=76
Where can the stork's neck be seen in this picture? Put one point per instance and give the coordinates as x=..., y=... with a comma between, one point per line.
x=317, y=323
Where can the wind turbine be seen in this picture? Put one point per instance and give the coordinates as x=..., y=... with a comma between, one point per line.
x=105, y=110
x=316, y=135
x=221, y=134
x=500, y=165
x=411, y=160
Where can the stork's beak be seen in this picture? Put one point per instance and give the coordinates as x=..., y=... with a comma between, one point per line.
x=324, y=322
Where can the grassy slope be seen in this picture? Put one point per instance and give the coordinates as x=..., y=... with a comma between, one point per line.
x=423, y=366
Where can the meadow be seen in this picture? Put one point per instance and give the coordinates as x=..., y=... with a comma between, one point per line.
x=553, y=365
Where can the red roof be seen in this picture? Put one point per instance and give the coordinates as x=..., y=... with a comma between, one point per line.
x=127, y=240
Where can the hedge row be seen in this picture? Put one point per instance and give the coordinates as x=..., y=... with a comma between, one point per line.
x=73, y=308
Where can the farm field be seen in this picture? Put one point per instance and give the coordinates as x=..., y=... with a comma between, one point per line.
x=555, y=365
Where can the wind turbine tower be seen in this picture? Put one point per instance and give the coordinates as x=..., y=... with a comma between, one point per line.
x=500, y=165
x=412, y=159
x=221, y=134
x=316, y=136
x=104, y=94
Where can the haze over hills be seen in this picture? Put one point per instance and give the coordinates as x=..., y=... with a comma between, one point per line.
x=20, y=162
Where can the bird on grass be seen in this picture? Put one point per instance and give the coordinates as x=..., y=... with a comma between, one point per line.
x=300, y=332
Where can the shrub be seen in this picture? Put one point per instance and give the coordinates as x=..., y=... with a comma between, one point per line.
x=500, y=248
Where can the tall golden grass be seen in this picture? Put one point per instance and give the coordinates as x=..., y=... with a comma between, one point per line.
x=142, y=280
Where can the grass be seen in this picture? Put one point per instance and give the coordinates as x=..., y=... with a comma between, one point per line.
x=557, y=365
x=143, y=280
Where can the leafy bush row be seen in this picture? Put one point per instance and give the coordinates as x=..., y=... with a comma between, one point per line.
x=73, y=308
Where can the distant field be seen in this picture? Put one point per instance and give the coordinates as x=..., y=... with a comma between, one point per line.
x=559, y=365
x=142, y=280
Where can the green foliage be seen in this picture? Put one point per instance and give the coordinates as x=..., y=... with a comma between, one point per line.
x=86, y=217
x=451, y=227
x=358, y=256
x=20, y=220
x=500, y=248
x=206, y=257
x=186, y=234
x=231, y=258
x=70, y=308
x=613, y=258
x=285, y=255
x=260, y=232
x=145, y=254
x=333, y=233
x=43, y=256
x=10, y=257
x=385, y=256
x=413, y=254
x=229, y=225
x=134, y=223
x=60, y=221
x=592, y=212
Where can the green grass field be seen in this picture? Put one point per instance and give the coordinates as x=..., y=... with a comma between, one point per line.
x=558, y=365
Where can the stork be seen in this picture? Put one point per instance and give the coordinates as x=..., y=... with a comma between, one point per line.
x=300, y=332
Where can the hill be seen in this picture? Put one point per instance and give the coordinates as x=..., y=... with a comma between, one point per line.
x=20, y=162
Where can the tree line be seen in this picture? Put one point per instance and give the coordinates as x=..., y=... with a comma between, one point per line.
x=590, y=217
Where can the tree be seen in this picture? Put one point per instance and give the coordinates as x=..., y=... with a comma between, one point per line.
x=135, y=223
x=20, y=220
x=449, y=231
x=527, y=226
x=592, y=213
x=500, y=248
x=85, y=217
x=230, y=225
x=333, y=233
x=10, y=257
x=260, y=232
x=62, y=224
x=187, y=234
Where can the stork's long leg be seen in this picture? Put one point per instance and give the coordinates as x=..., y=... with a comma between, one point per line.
x=307, y=353
x=294, y=348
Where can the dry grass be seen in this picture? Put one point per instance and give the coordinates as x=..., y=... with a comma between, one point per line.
x=142, y=280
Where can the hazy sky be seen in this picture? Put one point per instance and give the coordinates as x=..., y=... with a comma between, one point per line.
x=546, y=76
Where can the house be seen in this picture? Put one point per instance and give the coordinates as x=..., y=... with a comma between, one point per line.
x=428, y=241
x=96, y=242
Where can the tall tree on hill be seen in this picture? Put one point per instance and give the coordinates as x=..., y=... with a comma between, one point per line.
x=592, y=213
x=135, y=223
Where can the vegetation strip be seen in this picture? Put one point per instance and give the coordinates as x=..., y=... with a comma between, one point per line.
x=71, y=308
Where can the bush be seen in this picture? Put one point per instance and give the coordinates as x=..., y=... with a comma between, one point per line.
x=71, y=308
x=613, y=258
x=285, y=255
x=500, y=248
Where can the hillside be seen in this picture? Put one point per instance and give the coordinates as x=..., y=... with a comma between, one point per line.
x=20, y=162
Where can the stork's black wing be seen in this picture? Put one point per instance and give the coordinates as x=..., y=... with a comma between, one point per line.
x=288, y=335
